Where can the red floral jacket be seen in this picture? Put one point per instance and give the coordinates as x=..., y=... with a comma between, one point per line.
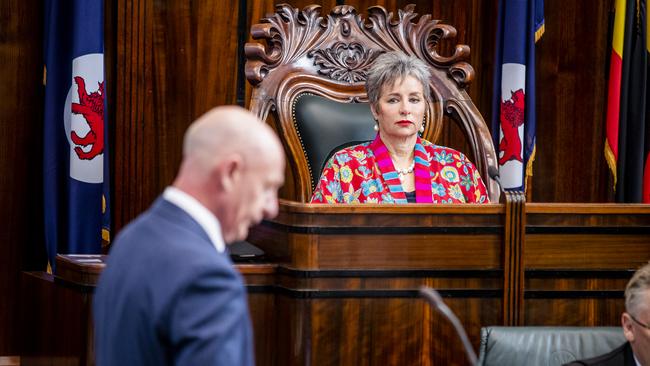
x=365, y=173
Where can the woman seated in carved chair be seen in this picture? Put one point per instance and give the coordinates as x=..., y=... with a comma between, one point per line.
x=398, y=166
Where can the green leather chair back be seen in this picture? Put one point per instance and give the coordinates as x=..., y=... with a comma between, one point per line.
x=326, y=126
x=545, y=346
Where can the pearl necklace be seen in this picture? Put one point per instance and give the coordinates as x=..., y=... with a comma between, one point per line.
x=403, y=172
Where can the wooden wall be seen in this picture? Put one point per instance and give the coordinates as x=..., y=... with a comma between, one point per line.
x=572, y=89
x=170, y=61
x=176, y=61
x=21, y=92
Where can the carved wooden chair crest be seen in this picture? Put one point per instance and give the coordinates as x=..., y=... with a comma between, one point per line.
x=308, y=82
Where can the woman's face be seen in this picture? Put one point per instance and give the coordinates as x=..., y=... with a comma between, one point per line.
x=400, y=109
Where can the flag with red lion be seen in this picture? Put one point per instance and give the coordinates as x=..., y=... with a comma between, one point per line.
x=520, y=25
x=75, y=163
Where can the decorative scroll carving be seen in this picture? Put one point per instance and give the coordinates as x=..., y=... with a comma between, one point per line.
x=302, y=51
x=420, y=39
x=344, y=62
x=290, y=33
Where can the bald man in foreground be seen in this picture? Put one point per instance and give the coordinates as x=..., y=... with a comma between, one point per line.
x=169, y=294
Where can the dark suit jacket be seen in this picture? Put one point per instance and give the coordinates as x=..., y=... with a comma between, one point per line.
x=622, y=356
x=167, y=296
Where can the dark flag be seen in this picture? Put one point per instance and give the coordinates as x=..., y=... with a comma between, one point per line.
x=75, y=141
x=628, y=131
x=520, y=25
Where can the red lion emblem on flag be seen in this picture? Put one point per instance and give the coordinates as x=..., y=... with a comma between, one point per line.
x=91, y=107
x=512, y=116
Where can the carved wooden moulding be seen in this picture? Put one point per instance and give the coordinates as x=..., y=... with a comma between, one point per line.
x=302, y=52
x=342, y=45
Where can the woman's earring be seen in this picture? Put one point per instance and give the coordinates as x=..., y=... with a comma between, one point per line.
x=422, y=128
x=376, y=126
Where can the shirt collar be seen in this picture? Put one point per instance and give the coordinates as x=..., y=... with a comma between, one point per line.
x=199, y=213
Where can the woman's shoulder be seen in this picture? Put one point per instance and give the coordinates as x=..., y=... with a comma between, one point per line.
x=357, y=147
x=443, y=150
x=358, y=152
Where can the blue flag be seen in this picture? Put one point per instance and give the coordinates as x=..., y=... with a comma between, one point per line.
x=520, y=25
x=75, y=134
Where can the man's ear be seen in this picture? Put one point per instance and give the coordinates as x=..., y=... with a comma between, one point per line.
x=227, y=174
x=626, y=322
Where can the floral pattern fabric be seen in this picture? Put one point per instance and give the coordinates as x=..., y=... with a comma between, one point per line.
x=365, y=174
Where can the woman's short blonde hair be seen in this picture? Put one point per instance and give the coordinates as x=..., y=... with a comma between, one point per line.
x=392, y=66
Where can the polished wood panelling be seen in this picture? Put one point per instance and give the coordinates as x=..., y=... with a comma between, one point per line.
x=583, y=236
x=56, y=322
x=168, y=61
x=513, y=257
x=316, y=303
x=21, y=141
x=571, y=103
x=574, y=312
x=380, y=236
x=575, y=298
x=585, y=251
x=391, y=331
x=412, y=251
x=341, y=320
x=578, y=259
x=175, y=61
x=555, y=269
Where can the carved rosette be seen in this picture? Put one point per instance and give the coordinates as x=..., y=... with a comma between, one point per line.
x=342, y=62
x=333, y=46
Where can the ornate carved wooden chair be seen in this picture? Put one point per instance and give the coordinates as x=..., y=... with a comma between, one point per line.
x=308, y=82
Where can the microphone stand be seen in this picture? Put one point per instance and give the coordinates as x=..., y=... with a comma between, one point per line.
x=433, y=297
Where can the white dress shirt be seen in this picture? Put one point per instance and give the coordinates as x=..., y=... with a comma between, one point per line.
x=199, y=213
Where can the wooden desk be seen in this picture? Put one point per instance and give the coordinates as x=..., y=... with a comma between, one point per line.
x=347, y=280
x=578, y=259
x=340, y=283
x=347, y=275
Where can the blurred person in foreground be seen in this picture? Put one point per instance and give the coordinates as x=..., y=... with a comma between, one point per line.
x=169, y=294
x=636, y=326
x=398, y=166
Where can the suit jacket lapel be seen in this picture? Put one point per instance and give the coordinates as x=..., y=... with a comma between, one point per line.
x=177, y=216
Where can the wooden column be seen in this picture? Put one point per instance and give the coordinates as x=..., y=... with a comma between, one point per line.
x=513, y=270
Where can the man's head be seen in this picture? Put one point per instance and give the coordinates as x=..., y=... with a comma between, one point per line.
x=234, y=165
x=636, y=318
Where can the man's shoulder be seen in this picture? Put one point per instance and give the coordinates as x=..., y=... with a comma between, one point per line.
x=164, y=236
x=163, y=221
x=621, y=356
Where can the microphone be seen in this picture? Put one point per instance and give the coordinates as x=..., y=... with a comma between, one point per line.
x=494, y=174
x=433, y=297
